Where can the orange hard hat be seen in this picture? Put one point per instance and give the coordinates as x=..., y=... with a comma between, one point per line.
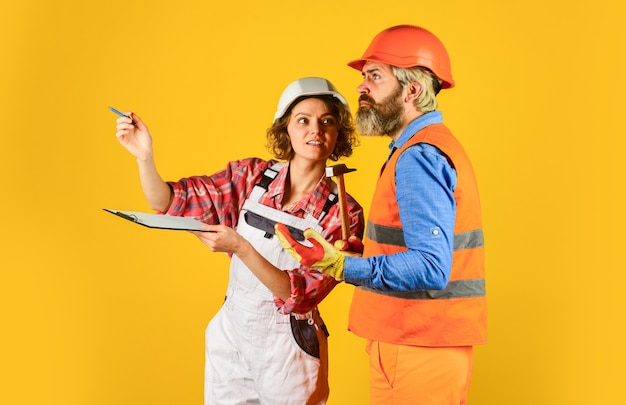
x=407, y=46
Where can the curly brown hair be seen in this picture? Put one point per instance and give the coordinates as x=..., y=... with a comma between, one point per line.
x=278, y=141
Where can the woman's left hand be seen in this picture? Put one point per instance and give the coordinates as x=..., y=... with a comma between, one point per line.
x=220, y=238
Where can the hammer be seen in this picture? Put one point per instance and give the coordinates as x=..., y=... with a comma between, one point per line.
x=338, y=171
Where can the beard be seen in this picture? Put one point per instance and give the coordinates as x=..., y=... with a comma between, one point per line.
x=382, y=118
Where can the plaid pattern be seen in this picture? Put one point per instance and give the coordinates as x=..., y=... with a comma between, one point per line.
x=218, y=199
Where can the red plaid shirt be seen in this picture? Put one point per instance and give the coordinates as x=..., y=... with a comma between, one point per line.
x=218, y=199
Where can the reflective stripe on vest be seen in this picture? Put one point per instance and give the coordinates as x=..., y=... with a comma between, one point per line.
x=455, y=289
x=395, y=236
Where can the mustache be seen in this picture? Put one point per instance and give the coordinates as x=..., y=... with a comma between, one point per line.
x=367, y=99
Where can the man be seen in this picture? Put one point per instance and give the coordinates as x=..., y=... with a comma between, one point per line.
x=420, y=297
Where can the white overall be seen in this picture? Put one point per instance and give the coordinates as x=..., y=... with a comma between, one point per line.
x=252, y=356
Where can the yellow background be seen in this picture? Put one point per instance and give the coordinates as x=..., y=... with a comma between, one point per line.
x=95, y=310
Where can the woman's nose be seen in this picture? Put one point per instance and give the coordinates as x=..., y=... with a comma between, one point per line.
x=315, y=127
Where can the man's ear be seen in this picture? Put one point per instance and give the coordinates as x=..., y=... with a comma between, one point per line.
x=413, y=91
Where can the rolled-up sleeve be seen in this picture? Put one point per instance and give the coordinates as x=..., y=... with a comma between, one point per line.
x=308, y=288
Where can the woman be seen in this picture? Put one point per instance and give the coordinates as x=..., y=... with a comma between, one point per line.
x=267, y=344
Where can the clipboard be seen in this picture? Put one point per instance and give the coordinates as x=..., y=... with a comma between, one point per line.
x=157, y=221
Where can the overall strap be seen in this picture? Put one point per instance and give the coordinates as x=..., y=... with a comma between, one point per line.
x=330, y=201
x=268, y=177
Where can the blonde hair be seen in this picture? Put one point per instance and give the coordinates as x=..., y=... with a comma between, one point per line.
x=427, y=100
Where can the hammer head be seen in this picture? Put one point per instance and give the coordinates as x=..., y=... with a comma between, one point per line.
x=337, y=170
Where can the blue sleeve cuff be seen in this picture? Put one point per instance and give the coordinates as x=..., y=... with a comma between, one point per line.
x=357, y=271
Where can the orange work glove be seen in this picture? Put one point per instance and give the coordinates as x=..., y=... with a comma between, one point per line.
x=321, y=256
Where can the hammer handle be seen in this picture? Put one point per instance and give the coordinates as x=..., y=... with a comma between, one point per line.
x=343, y=208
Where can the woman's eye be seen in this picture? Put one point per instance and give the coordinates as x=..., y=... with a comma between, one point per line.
x=329, y=121
x=302, y=121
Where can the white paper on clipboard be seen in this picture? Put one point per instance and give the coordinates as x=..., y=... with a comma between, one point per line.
x=158, y=221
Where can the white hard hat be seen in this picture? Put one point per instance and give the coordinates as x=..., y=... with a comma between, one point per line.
x=307, y=86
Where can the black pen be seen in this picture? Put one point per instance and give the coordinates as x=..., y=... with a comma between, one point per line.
x=121, y=114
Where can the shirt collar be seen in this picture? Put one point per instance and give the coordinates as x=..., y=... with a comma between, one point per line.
x=316, y=200
x=421, y=122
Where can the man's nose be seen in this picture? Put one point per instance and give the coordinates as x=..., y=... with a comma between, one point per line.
x=362, y=89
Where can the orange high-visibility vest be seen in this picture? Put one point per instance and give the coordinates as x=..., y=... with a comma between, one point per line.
x=454, y=316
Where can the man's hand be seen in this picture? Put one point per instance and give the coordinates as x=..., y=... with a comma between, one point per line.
x=321, y=256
